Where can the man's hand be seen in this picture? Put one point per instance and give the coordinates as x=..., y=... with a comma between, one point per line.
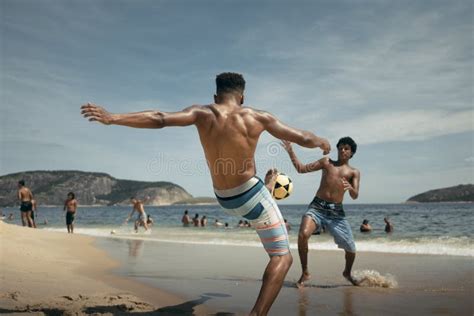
x=96, y=113
x=270, y=179
x=325, y=146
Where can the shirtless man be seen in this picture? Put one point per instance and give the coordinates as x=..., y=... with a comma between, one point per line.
x=326, y=209
x=186, y=220
x=229, y=133
x=26, y=206
x=70, y=207
x=141, y=215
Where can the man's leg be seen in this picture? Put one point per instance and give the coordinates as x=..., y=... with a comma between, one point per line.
x=307, y=227
x=273, y=278
x=24, y=219
x=29, y=219
x=72, y=227
x=350, y=257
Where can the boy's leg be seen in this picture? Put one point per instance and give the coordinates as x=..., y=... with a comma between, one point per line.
x=273, y=278
x=342, y=233
x=307, y=227
x=350, y=257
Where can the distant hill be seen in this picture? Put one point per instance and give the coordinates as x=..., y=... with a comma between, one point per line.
x=91, y=188
x=459, y=193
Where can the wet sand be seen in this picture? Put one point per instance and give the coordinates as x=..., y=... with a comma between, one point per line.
x=228, y=279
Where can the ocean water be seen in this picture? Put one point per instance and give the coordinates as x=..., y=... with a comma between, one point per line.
x=437, y=228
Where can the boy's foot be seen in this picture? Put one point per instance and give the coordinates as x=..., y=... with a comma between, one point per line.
x=349, y=278
x=301, y=282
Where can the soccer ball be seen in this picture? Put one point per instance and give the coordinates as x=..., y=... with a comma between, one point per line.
x=283, y=187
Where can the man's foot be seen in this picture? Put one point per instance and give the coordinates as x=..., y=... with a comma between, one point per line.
x=301, y=282
x=349, y=278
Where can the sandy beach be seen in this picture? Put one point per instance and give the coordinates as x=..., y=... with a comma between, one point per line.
x=55, y=273
x=44, y=272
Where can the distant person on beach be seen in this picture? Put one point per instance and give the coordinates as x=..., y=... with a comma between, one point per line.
x=226, y=225
x=196, y=220
x=288, y=226
x=388, y=225
x=186, y=220
x=33, y=212
x=365, y=227
x=229, y=133
x=10, y=217
x=218, y=224
x=326, y=209
x=149, y=220
x=25, y=196
x=70, y=206
x=141, y=215
x=204, y=221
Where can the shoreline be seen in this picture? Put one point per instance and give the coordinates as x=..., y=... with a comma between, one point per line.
x=43, y=271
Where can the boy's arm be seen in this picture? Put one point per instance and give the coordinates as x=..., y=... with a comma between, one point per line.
x=300, y=167
x=284, y=132
x=65, y=204
x=145, y=119
x=352, y=187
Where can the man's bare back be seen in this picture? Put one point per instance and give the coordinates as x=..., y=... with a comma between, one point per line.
x=229, y=135
x=24, y=194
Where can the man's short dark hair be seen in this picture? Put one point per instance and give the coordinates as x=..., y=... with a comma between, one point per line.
x=72, y=195
x=348, y=141
x=230, y=82
x=22, y=183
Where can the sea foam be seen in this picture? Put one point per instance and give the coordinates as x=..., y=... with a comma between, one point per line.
x=372, y=278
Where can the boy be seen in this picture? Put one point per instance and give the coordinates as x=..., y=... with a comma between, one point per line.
x=326, y=209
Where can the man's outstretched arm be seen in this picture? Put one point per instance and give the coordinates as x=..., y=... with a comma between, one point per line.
x=299, y=166
x=284, y=132
x=145, y=119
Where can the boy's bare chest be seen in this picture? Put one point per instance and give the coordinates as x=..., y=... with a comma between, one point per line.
x=339, y=172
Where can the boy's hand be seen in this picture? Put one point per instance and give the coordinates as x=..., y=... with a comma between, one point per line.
x=96, y=113
x=346, y=184
x=287, y=145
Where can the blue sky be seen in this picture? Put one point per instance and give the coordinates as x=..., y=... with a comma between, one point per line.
x=397, y=76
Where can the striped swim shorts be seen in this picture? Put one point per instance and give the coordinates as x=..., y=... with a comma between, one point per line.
x=253, y=201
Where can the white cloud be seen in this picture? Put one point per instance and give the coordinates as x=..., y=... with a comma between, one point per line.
x=404, y=126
